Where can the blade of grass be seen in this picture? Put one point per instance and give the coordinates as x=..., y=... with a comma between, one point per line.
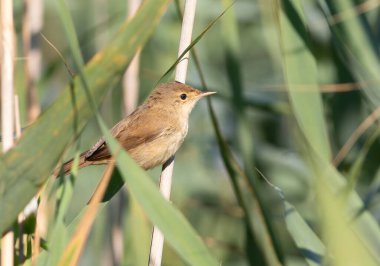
x=308, y=243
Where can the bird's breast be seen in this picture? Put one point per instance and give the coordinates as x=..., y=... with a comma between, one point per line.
x=158, y=151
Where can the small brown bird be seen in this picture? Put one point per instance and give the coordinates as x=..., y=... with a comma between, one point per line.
x=153, y=132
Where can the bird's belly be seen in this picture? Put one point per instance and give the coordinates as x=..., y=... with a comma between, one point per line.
x=156, y=152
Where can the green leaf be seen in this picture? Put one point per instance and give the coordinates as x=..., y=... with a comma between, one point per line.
x=26, y=167
x=308, y=243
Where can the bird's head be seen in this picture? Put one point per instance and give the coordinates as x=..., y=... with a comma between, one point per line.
x=176, y=95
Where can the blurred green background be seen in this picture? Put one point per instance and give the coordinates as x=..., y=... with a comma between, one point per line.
x=294, y=79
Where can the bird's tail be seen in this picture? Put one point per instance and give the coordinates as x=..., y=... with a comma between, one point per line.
x=66, y=168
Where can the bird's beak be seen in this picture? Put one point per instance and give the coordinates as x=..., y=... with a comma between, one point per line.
x=206, y=93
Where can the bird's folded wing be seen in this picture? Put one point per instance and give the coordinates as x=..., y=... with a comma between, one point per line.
x=94, y=148
x=129, y=138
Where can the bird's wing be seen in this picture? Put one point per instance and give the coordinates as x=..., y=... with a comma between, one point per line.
x=98, y=145
x=130, y=134
x=139, y=131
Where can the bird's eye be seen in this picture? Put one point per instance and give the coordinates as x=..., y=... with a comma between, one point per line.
x=183, y=96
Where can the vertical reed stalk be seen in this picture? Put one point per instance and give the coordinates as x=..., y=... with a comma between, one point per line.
x=167, y=170
x=7, y=117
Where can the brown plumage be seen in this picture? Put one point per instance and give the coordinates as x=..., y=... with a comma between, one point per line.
x=153, y=132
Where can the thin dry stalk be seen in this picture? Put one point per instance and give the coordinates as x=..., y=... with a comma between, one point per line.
x=32, y=25
x=324, y=88
x=7, y=119
x=359, y=131
x=7, y=69
x=167, y=170
x=354, y=11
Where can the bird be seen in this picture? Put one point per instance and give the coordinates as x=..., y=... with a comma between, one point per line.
x=151, y=134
